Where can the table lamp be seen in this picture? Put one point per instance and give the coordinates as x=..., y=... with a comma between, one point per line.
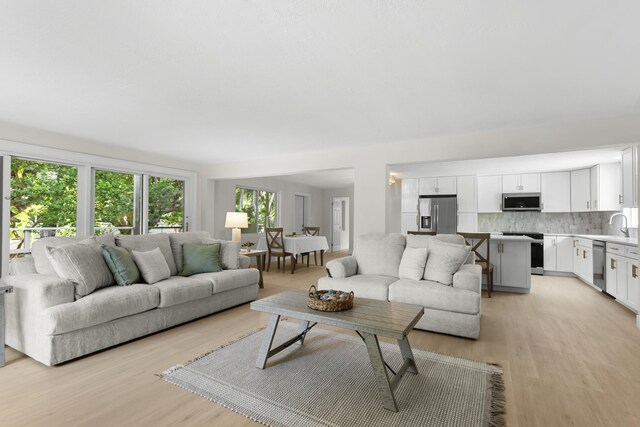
x=236, y=221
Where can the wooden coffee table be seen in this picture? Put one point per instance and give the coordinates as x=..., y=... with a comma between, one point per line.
x=369, y=318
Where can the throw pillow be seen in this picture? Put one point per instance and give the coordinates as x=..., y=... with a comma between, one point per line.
x=121, y=264
x=444, y=260
x=81, y=263
x=229, y=253
x=148, y=242
x=153, y=265
x=412, y=264
x=200, y=258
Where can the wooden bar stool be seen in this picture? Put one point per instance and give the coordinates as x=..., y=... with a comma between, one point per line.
x=482, y=259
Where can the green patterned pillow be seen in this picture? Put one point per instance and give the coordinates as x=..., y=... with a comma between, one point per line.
x=200, y=258
x=121, y=264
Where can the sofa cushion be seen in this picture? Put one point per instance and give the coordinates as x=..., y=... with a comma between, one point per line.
x=176, y=290
x=99, y=307
x=148, y=243
x=40, y=259
x=121, y=264
x=363, y=286
x=227, y=280
x=152, y=264
x=435, y=296
x=83, y=264
x=412, y=264
x=200, y=258
x=229, y=253
x=379, y=254
x=444, y=260
x=177, y=239
x=418, y=241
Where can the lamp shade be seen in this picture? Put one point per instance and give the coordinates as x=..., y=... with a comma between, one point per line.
x=236, y=220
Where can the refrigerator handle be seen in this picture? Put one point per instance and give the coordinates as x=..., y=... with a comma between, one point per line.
x=437, y=218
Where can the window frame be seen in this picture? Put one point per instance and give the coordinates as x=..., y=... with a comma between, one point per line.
x=257, y=198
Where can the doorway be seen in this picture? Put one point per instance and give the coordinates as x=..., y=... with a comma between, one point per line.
x=300, y=212
x=339, y=224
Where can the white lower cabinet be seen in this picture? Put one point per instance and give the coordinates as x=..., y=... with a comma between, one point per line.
x=622, y=275
x=583, y=259
x=550, y=253
x=511, y=263
x=558, y=253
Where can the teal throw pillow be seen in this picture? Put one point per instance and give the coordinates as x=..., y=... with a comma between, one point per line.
x=121, y=264
x=200, y=258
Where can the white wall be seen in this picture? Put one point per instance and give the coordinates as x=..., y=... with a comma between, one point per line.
x=328, y=196
x=224, y=201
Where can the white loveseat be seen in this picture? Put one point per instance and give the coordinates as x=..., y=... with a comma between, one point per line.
x=46, y=322
x=373, y=272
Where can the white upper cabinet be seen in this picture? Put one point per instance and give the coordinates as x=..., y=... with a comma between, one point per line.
x=629, y=178
x=490, y=193
x=606, y=187
x=556, y=191
x=581, y=190
x=467, y=200
x=410, y=195
x=524, y=183
x=437, y=186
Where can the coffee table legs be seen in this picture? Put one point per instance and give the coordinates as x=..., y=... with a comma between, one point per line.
x=267, y=341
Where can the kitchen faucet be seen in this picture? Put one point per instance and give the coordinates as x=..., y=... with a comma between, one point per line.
x=624, y=228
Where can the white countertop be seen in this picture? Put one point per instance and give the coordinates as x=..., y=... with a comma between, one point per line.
x=501, y=237
x=631, y=241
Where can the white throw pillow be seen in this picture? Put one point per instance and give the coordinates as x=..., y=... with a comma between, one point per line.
x=412, y=264
x=229, y=253
x=152, y=265
x=444, y=260
x=83, y=264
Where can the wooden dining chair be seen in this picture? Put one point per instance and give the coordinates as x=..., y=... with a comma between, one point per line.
x=275, y=247
x=310, y=231
x=482, y=254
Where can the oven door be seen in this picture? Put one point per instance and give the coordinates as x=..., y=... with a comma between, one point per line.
x=537, y=257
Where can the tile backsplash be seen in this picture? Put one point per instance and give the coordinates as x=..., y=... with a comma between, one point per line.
x=550, y=223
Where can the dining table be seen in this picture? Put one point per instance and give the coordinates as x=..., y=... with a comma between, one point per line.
x=300, y=245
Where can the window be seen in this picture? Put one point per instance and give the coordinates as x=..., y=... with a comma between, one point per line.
x=43, y=202
x=116, y=203
x=261, y=207
x=166, y=205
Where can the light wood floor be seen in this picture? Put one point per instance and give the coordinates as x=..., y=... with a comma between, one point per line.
x=571, y=357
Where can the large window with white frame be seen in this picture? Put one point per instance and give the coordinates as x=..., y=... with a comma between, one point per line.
x=261, y=207
x=166, y=205
x=116, y=202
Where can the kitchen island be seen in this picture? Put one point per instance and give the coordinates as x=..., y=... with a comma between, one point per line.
x=511, y=259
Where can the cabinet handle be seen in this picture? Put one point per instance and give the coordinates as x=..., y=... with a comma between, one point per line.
x=634, y=271
x=574, y=243
x=595, y=204
x=577, y=252
x=584, y=254
x=613, y=267
x=587, y=205
x=620, y=198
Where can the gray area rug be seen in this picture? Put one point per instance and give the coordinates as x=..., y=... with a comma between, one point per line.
x=329, y=382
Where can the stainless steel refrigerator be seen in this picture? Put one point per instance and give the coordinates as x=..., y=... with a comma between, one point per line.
x=439, y=214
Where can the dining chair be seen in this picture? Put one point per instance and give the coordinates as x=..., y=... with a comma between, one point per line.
x=311, y=231
x=275, y=247
x=482, y=254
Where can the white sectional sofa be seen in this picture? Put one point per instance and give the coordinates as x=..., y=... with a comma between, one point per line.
x=45, y=320
x=373, y=272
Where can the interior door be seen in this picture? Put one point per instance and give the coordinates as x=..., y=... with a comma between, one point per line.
x=337, y=226
x=298, y=214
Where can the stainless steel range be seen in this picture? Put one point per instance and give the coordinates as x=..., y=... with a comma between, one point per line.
x=537, y=249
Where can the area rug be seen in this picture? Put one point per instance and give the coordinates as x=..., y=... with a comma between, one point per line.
x=329, y=382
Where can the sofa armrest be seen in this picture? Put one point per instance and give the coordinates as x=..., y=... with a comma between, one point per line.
x=23, y=265
x=244, y=261
x=39, y=291
x=342, y=267
x=469, y=277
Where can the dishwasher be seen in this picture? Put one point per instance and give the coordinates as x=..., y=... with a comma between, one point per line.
x=599, y=259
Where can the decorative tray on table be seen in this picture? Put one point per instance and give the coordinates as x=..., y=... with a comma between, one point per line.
x=329, y=300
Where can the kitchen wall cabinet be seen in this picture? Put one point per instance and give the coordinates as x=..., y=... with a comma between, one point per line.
x=467, y=197
x=581, y=190
x=555, y=188
x=490, y=194
x=511, y=261
x=409, y=195
x=630, y=177
x=606, y=187
x=621, y=271
x=408, y=222
x=523, y=183
x=467, y=222
x=437, y=186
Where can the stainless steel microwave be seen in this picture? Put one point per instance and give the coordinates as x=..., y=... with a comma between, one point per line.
x=521, y=202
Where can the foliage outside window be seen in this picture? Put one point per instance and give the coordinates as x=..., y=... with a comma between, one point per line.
x=261, y=207
x=43, y=201
x=166, y=205
x=114, y=202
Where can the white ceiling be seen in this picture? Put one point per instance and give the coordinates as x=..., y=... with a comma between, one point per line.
x=338, y=178
x=213, y=81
